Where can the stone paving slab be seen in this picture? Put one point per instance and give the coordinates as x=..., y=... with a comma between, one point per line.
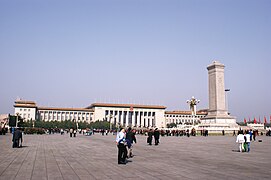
x=56, y=156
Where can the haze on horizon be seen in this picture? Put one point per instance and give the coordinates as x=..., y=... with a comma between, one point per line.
x=73, y=53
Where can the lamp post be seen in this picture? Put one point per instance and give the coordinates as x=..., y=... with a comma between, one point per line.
x=110, y=123
x=17, y=119
x=192, y=104
x=227, y=102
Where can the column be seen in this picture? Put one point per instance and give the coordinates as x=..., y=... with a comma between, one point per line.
x=127, y=118
x=133, y=118
x=140, y=119
x=119, y=118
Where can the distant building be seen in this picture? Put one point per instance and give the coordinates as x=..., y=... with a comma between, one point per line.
x=184, y=117
x=133, y=115
x=28, y=110
x=130, y=114
x=4, y=120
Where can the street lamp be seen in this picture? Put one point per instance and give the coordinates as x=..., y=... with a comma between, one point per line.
x=192, y=104
x=17, y=119
x=227, y=102
x=110, y=123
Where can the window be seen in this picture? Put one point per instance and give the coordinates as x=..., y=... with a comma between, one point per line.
x=28, y=109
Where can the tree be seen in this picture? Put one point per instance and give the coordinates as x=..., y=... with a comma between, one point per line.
x=171, y=125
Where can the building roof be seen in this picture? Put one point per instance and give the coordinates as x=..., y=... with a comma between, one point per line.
x=64, y=109
x=22, y=103
x=185, y=112
x=126, y=106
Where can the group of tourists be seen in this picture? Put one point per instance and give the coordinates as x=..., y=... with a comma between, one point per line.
x=243, y=139
x=155, y=134
x=124, y=141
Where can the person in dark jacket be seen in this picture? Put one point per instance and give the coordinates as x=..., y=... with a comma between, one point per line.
x=149, y=139
x=17, y=137
x=130, y=137
x=156, y=135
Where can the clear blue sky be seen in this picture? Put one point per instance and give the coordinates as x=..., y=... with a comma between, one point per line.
x=69, y=53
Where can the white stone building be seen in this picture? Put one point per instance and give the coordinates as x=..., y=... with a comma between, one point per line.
x=184, y=117
x=132, y=115
x=26, y=109
x=118, y=114
x=62, y=114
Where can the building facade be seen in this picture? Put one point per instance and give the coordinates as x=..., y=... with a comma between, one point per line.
x=184, y=117
x=132, y=115
x=26, y=109
x=62, y=114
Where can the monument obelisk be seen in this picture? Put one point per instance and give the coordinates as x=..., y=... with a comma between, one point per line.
x=217, y=113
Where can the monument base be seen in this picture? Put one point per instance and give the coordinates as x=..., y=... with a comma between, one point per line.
x=215, y=124
x=222, y=120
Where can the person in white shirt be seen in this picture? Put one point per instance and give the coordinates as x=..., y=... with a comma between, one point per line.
x=121, y=143
x=240, y=140
x=247, y=141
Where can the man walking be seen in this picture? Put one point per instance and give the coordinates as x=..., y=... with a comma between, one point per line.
x=17, y=136
x=149, y=139
x=240, y=140
x=156, y=135
x=130, y=137
x=247, y=135
x=121, y=143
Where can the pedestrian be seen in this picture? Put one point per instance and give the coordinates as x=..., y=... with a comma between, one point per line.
x=247, y=135
x=74, y=133
x=149, y=139
x=254, y=134
x=121, y=144
x=187, y=133
x=130, y=137
x=223, y=132
x=17, y=137
x=156, y=135
x=240, y=140
x=71, y=132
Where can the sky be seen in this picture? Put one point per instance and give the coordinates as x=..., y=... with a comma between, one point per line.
x=69, y=53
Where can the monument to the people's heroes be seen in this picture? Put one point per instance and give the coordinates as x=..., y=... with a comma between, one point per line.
x=217, y=114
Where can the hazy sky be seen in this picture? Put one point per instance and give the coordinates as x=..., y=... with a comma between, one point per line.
x=71, y=53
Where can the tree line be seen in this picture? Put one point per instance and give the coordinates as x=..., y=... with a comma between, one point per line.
x=67, y=124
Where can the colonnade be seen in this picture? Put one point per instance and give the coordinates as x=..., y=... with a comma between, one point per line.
x=131, y=118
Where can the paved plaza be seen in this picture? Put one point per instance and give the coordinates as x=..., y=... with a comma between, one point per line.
x=95, y=157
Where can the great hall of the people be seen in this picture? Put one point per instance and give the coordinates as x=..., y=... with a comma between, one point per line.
x=133, y=115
